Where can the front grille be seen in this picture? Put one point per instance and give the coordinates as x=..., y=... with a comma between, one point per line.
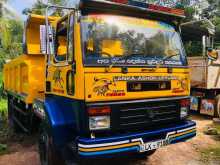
x=147, y=114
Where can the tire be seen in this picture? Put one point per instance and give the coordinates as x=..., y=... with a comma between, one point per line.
x=12, y=124
x=217, y=109
x=47, y=152
x=10, y=115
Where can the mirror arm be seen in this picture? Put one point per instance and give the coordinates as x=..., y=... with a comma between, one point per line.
x=74, y=67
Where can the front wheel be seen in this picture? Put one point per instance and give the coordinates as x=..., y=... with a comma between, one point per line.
x=48, y=155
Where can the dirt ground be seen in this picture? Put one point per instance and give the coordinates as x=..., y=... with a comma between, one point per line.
x=187, y=153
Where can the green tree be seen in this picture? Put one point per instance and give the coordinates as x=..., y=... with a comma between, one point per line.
x=10, y=35
x=39, y=7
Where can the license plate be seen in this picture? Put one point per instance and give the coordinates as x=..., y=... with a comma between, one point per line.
x=154, y=145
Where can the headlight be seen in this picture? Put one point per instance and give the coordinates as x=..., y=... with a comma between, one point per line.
x=99, y=122
x=99, y=117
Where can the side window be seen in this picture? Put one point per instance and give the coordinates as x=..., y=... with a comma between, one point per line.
x=61, y=41
x=71, y=38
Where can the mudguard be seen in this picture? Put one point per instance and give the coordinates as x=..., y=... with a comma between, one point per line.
x=63, y=118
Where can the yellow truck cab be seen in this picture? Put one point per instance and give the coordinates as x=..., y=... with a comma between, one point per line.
x=109, y=78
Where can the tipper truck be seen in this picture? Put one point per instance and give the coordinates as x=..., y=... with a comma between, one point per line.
x=205, y=67
x=107, y=79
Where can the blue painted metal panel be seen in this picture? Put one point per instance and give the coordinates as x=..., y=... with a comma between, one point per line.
x=62, y=113
x=128, y=149
x=136, y=135
x=97, y=146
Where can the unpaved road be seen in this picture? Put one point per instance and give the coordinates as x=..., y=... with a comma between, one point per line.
x=186, y=153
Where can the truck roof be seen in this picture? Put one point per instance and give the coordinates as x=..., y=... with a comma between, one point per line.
x=131, y=8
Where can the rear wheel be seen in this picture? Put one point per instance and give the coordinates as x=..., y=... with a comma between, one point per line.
x=11, y=116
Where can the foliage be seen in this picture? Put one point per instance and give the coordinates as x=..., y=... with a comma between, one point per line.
x=189, y=12
x=10, y=36
x=193, y=48
x=214, y=13
x=3, y=149
x=10, y=39
x=39, y=7
x=3, y=126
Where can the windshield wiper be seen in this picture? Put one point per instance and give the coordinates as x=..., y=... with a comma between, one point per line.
x=168, y=57
x=107, y=54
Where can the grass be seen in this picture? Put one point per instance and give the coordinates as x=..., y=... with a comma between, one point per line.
x=217, y=126
x=212, y=153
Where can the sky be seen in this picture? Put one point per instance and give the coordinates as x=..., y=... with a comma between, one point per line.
x=19, y=5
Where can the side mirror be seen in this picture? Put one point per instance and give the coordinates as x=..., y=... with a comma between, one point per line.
x=212, y=54
x=43, y=39
x=46, y=47
x=50, y=40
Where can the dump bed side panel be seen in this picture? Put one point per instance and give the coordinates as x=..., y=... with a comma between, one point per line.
x=198, y=72
x=24, y=76
x=213, y=76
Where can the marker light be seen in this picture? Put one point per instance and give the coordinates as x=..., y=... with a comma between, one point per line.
x=185, y=102
x=99, y=111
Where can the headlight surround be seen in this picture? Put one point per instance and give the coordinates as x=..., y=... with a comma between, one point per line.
x=99, y=122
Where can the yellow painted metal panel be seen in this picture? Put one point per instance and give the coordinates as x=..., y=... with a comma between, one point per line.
x=25, y=76
x=32, y=33
x=57, y=75
x=113, y=86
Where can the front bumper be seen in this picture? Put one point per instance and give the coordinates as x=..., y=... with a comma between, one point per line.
x=131, y=143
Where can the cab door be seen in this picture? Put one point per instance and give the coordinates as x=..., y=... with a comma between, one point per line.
x=61, y=65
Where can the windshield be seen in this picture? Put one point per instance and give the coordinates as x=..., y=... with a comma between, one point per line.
x=121, y=40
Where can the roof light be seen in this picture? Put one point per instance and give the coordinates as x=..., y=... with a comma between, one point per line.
x=120, y=1
x=166, y=9
x=159, y=8
x=153, y=7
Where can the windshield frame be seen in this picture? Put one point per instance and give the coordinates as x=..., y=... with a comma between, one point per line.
x=183, y=56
